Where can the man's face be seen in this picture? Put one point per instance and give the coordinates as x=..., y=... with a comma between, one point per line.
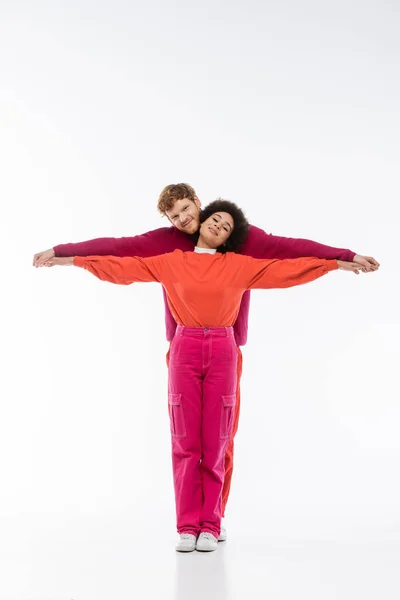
x=184, y=215
x=216, y=229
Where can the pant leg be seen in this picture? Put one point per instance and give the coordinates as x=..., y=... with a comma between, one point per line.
x=230, y=450
x=167, y=359
x=219, y=398
x=185, y=399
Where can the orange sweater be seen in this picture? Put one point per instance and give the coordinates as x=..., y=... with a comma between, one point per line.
x=204, y=290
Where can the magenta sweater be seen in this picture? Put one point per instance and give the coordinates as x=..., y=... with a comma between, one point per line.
x=258, y=244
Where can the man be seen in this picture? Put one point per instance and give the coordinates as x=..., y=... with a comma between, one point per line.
x=180, y=204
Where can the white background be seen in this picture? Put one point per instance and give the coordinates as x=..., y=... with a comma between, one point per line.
x=291, y=110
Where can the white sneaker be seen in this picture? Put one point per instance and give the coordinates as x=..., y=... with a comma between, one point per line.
x=223, y=535
x=187, y=543
x=206, y=542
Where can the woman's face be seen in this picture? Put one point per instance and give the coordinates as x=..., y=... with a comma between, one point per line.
x=216, y=229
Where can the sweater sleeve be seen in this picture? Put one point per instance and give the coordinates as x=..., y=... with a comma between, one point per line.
x=266, y=274
x=152, y=243
x=122, y=270
x=260, y=244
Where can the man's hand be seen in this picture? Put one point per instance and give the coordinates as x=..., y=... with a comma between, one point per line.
x=366, y=263
x=40, y=259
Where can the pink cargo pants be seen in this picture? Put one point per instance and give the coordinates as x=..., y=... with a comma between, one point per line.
x=202, y=396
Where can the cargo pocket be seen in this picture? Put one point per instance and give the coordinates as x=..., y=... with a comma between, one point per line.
x=176, y=416
x=227, y=414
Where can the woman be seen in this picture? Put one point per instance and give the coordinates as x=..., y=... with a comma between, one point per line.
x=204, y=290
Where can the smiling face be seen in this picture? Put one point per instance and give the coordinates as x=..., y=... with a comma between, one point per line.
x=184, y=215
x=215, y=230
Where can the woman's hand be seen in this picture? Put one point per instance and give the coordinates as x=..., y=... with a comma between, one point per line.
x=58, y=260
x=349, y=266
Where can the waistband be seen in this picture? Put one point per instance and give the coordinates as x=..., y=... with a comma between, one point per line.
x=204, y=331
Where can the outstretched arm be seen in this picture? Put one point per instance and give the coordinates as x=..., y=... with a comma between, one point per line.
x=260, y=244
x=121, y=270
x=288, y=273
x=152, y=243
x=264, y=274
x=117, y=270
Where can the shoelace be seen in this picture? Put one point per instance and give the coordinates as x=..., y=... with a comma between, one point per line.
x=208, y=536
x=186, y=536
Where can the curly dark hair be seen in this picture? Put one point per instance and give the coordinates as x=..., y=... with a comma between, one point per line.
x=240, y=228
